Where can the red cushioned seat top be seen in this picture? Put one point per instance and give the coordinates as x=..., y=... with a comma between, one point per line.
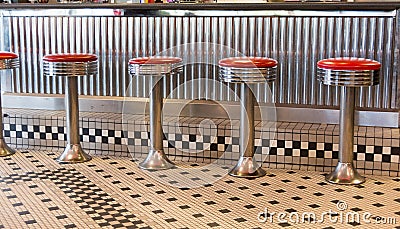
x=349, y=64
x=70, y=57
x=7, y=55
x=156, y=60
x=248, y=62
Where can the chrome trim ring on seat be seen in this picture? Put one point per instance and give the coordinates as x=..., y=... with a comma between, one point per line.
x=348, y=78
x=69, y=68
x=9, y=63
x=247, y=75
x=155, y=69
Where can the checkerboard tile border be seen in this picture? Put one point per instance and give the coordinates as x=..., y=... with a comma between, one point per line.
x=291, y=146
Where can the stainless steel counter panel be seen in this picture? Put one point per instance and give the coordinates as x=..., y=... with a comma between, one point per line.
x=296, y=39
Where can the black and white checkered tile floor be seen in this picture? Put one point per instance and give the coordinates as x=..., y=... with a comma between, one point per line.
x=37, y=192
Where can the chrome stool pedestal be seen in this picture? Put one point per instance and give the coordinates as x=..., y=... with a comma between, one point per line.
x=8, y=60
x=348, y=73
x=155, y=68
x=247, y=71
x=71, y=66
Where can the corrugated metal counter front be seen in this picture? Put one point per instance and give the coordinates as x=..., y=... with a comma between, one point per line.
x=297, y=35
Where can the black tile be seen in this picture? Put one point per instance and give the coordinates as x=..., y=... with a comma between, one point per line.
x=61, y=217
x=158, y=211
x=290, y=210
x=356, y=209
x=361, y=148
x=280, y=191
x=395, y=151
x=224, y=211
x=24, y=213
x=240, y=220
x=234, y=198
x=378, y=205
x=197, y=195
x=184, y=207
x=243, y=188
x=70, y=226
x=314, y=206
x=358, y=197
x=160, y=192
x=258, y=194
x=146, y=203
x=172, y=199
x=54, y=208
x=220, y=191
x=17, y=204
x=296, y=198
x=354, y=224
x=213, y=224
x=379, y=193
x=273, y=202
x=322, y=183
x=170, y=220
x=284, y=224
x=32, y=221
x=210, y=202
x=369, y=157
x=249, y=206
x=198, y=215
x=306, y=178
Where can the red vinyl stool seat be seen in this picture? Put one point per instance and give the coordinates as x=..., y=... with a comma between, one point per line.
x=348, y=73
x=155, y=68
x=247, y=71
x=71, y=65
x=8, y=60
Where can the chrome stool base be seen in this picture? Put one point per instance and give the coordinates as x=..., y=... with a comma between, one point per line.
x=346, y=174
x=247, y=167
x=156, y=160
x=73, y=153
x=5, y=150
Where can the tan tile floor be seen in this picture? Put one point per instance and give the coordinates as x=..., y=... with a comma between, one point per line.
x=37, y=192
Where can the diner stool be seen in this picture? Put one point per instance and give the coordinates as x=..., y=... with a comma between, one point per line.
x=247, y=71
x=8, y=60
x=155, y=68
x=71, y=66
x=348, y=73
